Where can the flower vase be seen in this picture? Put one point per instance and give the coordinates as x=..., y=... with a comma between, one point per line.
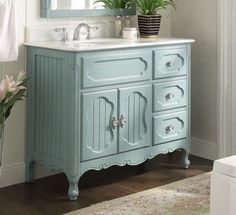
x=1, y=141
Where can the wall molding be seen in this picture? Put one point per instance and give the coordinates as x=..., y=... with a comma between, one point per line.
x=204, y=149
x=226, y=90
x=12, y=174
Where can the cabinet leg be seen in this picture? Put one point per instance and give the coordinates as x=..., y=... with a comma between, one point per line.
x=73, y=191
x=29, y=172
x=185, y=159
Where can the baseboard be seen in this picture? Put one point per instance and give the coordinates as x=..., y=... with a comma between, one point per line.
x=204, y=149
x=15, y=174
x=12, y=174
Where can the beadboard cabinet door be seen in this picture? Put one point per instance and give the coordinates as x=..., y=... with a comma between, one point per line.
x=135, y=117
x=99, y=126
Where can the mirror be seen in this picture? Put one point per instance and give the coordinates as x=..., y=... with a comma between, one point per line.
x=75, y=5
x=75, y=8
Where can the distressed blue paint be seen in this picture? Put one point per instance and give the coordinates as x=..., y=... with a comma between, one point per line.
x=73, y=97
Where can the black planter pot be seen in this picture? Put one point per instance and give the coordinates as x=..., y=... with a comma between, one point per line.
x=149, y=25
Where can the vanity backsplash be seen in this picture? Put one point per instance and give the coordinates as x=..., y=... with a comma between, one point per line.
x=106, y=29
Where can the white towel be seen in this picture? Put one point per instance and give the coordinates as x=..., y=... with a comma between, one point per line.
x=8, y=31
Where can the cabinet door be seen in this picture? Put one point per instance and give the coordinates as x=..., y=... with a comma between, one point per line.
x=135, y=117
x=99, y=138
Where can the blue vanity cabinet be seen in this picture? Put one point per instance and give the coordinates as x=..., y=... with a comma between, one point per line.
x=95, y=109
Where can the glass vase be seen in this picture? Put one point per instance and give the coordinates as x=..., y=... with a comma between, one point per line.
x=1, y=141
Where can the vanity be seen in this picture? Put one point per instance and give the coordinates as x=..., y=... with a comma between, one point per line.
x=95, y=104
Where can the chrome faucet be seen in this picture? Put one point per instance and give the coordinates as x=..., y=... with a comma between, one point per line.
x=63, y=33
x=88, y=29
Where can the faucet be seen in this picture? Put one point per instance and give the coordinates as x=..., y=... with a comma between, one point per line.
x=63, y=33
x=88, y=29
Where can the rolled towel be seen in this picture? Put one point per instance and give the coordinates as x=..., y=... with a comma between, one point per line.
x=8, y=31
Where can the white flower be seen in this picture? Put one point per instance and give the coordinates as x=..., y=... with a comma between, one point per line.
x=3, y=89
x=13, y=85
x=21, y=77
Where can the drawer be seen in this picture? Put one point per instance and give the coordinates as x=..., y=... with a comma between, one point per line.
x=170, y=63
x=170, y=127
x=168, y=95
x=115, y=68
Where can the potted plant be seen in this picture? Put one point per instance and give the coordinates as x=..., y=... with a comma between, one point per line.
x=149, y=21
x=12, y=89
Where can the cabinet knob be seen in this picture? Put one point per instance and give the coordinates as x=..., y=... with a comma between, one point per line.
x=114, y=123
x=169, y=96
x=169, y=128
x=169, y=64
x=122, y=121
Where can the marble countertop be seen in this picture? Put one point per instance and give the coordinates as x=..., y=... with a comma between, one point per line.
x=109, y=43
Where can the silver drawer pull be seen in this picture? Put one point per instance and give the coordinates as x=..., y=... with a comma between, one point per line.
x=169, y=96
x=114, y=123
x=169, y=64
x=122, y=121
x=169, y=128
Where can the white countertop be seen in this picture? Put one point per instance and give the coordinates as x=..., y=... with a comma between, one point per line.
x=109, y=43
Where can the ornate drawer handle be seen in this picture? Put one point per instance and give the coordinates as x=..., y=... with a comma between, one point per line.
x=169, y=64
x=169, y=96
x=169, y=129
x=114, y=123
x=122, y=121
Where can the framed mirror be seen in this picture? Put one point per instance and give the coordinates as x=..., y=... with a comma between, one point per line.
x=76, y=8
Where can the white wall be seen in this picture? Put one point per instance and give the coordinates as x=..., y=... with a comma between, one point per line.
x=14, y=140
x=197, y=19
x=13, y=166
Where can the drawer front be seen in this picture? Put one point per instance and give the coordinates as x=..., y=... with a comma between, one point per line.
x=170, y=127
x=115, y=68
x=169, y=95
x=170, y=62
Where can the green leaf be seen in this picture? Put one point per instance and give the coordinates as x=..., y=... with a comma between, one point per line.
x=150, y=7
x=113, y=4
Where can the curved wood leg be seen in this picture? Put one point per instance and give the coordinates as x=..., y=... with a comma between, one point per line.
x=73, y=191
x=29, y=172
x=184, y=160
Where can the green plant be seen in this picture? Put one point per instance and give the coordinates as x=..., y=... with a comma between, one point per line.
x=113, y=4
x=150, y=7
